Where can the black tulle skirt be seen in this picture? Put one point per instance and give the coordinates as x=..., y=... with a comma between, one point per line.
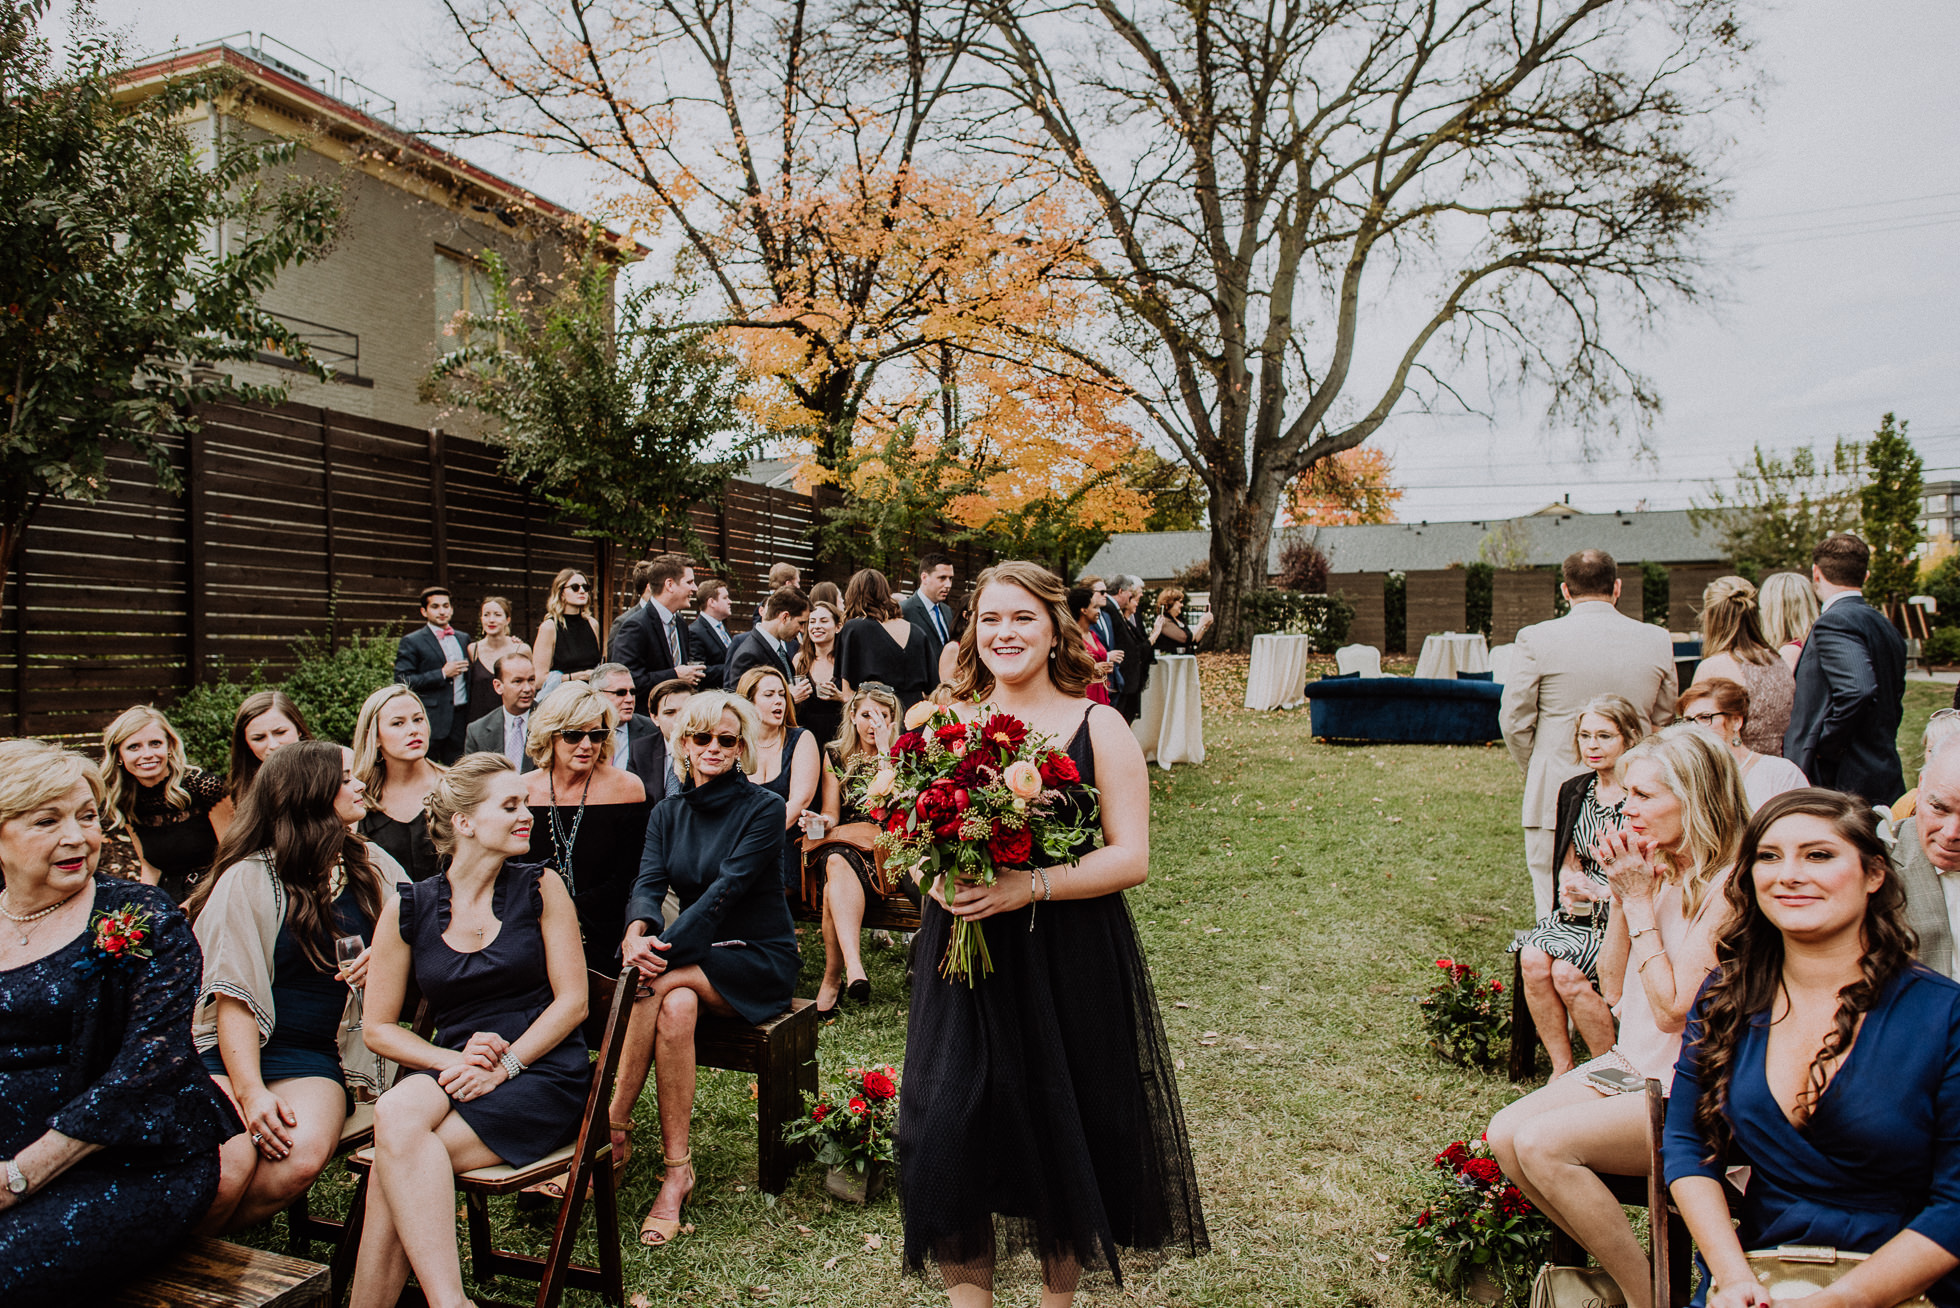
x=1039, y=1112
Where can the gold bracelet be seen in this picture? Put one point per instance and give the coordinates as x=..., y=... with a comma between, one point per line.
x=1659, y=953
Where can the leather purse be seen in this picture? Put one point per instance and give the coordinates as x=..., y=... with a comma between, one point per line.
x=1575, y=1287
x=1794, y=1270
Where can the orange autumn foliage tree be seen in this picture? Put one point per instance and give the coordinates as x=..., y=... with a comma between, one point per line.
x=778, y=144
x=1354, y=486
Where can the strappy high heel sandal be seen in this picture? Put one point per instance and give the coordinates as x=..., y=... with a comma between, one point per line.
x=657, y=1231
x=554, y=1189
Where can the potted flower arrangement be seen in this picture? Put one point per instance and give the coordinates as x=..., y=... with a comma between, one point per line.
x=1465, y=1015
x=1477, y=1235
x=854, y=1127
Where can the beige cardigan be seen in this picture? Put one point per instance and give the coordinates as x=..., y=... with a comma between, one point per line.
x=237, y=932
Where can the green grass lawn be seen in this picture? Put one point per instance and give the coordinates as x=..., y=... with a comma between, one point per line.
x=1299, y=896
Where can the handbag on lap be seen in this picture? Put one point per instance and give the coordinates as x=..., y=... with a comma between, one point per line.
x=1792, y=1271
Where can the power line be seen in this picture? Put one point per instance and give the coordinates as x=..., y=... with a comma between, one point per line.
x=1842, y=208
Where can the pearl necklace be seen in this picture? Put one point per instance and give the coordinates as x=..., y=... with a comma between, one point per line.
x=26, y=920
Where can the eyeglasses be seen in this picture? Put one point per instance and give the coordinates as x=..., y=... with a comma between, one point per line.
x=596, y=735
x=1704, y=719
x=704, y=738
x=576, y=585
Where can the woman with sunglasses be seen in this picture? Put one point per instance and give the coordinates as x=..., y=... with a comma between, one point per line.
x=716, y=841
x=589, y=814
x=568, y=638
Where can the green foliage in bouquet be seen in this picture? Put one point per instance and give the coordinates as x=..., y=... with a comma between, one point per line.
x=1474, y=1220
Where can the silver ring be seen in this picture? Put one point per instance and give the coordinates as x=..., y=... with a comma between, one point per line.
x=257, y=1139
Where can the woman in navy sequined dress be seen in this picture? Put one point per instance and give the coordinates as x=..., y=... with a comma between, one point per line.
x=109, y=1127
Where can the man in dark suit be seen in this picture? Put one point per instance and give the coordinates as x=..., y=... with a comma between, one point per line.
x=1133, y=643
x=637, y=743
x=1851, y=681
x=708, y=639
x=430, y=661
x=651, y=640
x=506, y=729
x=925, y=608
x=773, y=642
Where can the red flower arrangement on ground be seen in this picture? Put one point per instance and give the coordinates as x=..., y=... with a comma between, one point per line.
x=1476, y=1221
x=1464, y=1015
x=853, y=1125
x=961, y=800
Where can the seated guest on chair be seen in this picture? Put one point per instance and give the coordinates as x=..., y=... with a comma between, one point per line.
x=1684, y=814
x=788, y=759
x=504, y=729
x=1559, y=959
x=493, y=945
x=1826, y=1060
x=1721, y=708
x=110, y=1129
x=274, y=1012
x=590, y=814
x=1926, y=857
x=430, y=661
x=391, y=757
x=841, y=836
x=637, y=746
x=1943, y=726
x=265, y=721
x=717, y=840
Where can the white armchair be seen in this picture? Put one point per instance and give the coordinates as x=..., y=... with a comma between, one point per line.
x=1365, y=659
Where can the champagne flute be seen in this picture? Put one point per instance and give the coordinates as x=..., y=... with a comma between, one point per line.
x=347, y=949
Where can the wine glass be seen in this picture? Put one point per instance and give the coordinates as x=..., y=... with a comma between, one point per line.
x=346, y=950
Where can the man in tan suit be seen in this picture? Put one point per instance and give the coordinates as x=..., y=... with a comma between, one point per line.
x=1561, y=666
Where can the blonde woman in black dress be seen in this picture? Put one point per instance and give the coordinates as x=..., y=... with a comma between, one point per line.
x=1040, y=1112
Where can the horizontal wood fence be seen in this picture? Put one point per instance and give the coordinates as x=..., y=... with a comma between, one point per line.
x=298, y=521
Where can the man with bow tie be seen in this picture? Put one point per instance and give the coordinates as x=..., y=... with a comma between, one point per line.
x=925, y=608
x=430, y=661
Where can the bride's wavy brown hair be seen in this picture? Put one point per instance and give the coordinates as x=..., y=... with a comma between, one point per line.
x=1069, y=667
x=1749, y=957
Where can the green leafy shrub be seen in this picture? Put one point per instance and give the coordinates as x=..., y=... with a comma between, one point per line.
x=1654, y=594
x=1943, y=646
x=1195, y=575
x=1479, y=597
x=1943, y=584
x=204, y=715
x=1395, y=613
x=330, y=684
x=1324, y=617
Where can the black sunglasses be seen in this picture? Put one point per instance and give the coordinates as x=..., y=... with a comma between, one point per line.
x=596, y=735
x=702, y=738
x=576, y=585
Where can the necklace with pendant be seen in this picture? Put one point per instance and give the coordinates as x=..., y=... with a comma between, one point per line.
x=25, y=923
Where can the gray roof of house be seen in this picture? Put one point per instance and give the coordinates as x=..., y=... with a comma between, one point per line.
x=1654, y=537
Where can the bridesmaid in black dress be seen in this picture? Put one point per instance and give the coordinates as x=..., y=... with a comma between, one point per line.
x=716, y=840
x=106, y=1115
x=589, y=816
x=1040, y=1111
x=159, y=806
x=493, y=944
x=877, y=644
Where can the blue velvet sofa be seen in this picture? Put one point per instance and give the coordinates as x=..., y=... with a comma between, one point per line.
x=1405, y=710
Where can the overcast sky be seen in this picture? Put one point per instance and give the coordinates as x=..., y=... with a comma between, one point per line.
x=1840, y=249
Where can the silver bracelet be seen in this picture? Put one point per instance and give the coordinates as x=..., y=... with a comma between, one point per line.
x=1047, y=892
x=510, y=1065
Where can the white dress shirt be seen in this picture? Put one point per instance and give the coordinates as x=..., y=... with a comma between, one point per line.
x=667, y=622
x=452, y=649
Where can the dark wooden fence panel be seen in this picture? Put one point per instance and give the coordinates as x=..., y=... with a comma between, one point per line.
x=1435, y=603
x=1364, y=591
x=298, y=522
x=1518, y=599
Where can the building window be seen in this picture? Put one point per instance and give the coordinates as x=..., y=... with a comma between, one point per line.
x=1936, y=504
x=462, y=286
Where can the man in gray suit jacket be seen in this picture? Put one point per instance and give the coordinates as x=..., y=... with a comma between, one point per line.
x=505, y=729
x=1561, y=666
x=1927, y=858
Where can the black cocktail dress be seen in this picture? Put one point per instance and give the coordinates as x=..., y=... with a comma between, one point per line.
x=107, y=1058
x=407, y=842
x=1039, y=1111
x=598, y=855
x=778, y=785
x=178, y=842
x=502, y=987
x=866, y=652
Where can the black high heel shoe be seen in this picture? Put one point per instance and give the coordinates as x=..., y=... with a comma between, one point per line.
x=859, y=991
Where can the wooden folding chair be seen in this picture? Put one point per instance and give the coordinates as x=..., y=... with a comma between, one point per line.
x=586, y=1161
x=1669, y=1246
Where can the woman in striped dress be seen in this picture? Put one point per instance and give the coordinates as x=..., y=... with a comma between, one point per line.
x=1559, y=958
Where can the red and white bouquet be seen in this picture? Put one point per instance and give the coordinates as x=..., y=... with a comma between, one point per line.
x=960, y=800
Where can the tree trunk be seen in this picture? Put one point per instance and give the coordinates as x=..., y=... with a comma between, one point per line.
x=1241, y=536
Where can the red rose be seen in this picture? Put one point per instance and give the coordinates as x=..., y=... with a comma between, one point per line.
x=1484, y=1171
x=1012, y=847
x=909, y=743
x=820, y=1112
x=1497, y=987
x=895, y=823
x=951, y=732
x=879, y=1086
x=1445, y=964
x=1058, y=770
x=114, y=944
x=1454, y=1156
x=938, y=803
x=1004, y=733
